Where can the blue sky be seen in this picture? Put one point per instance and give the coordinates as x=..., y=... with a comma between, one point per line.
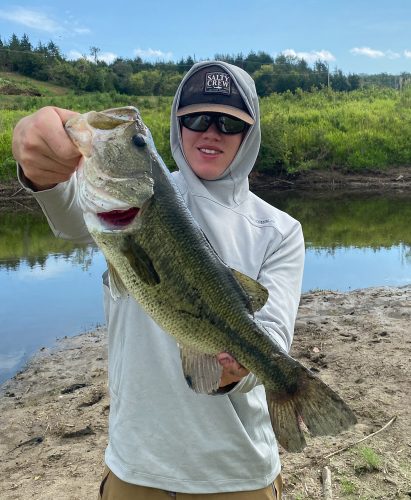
x=361, y=36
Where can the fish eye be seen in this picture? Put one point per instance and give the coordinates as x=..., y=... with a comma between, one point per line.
x=139, y=140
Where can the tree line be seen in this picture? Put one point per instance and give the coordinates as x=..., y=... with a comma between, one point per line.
x=46, y=62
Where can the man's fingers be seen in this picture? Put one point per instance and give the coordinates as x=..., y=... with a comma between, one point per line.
x=45, y=177
x=43, y=149
x=233, y=371
x=228, y=362
x=57, y=140
x=225, y=359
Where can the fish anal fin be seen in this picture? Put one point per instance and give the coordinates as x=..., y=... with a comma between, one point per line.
x=140, y=261
x=313, y=408
x=201, y=371
x=116, y=285
x=257, y=293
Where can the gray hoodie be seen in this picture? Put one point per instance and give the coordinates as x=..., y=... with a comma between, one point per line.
x=162, y=434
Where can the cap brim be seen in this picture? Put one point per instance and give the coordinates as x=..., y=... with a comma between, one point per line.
x=216, y=108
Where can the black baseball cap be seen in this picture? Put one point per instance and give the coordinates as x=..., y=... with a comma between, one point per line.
x=212, y=89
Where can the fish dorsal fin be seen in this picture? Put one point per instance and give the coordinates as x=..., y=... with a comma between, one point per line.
x=201, y=371
x=257, y=293
x=140, y=261
x=116, y=285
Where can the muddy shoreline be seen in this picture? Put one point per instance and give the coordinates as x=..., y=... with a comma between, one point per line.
x=53, y=414
x=392, y=179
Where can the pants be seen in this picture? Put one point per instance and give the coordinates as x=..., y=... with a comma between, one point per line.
x=113, y=488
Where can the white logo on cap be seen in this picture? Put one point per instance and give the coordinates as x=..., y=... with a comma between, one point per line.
x=218, y=83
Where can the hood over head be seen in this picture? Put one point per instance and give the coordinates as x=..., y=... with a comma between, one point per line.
x=227, y=89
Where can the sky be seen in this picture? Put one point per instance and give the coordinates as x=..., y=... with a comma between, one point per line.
x=361, y=36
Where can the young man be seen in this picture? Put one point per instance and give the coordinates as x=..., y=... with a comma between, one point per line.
x=164, y=439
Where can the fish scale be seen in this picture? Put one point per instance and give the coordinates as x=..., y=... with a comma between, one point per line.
x=163, y=259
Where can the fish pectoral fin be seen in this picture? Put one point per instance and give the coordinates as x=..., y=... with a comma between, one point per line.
x=140, y=261
x=116, y=285
x=201, y=371
x=257, y=293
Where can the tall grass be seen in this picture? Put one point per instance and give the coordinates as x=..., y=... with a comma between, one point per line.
x=365, y=129
x=155, y=111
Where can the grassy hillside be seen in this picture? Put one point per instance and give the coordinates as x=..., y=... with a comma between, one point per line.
x=364, y=129
x=14, y=84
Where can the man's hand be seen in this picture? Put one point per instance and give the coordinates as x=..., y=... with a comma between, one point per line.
x=232, y=370
x=43, y=149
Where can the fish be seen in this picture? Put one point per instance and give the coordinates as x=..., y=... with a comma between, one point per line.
x=157, y=253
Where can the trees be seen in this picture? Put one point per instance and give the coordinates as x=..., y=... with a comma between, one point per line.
x=135, y=76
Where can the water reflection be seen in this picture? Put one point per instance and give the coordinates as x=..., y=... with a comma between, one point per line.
x=50, y=288
x=353, y=240
x=348, y=219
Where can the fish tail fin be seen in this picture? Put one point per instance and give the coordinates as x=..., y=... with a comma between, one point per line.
x=314, y=407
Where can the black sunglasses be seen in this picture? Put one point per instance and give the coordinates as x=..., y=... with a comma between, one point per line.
x=200, y=122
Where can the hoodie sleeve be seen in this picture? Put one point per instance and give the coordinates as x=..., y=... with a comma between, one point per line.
x=281, y=273
x=60, y=206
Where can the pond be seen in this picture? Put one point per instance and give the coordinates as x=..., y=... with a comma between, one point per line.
x=50, y=288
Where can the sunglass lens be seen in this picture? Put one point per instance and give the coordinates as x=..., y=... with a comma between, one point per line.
x=225, y=124
x=230, y=125
x=197, y=123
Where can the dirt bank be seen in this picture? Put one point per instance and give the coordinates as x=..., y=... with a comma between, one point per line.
x=14, y=197
x=397, y=179
x=53, y=415
x=392, y=179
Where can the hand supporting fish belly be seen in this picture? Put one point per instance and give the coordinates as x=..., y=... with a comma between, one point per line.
x=156, y=252
x=232, y=370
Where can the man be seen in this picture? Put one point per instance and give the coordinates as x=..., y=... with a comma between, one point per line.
x=164, y=439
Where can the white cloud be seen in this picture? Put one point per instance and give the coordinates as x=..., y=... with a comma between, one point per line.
x=107, y=57
x=310, y=57
x=42, y=22
x=375, y=54
x=392, y=55
x=368, y=52
x=407, y=54
x=74, y=55
x=31, y=19
x=50, y=269
x=81, y=31
x=153, y=54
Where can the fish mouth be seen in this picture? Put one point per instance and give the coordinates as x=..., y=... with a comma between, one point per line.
x=118, y=219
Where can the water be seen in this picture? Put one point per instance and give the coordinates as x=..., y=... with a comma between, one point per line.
x=42, y=302
x=353, y=240
x=50, y=288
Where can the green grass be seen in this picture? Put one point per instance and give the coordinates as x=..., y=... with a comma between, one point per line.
x=325, y=129
x=347, y=487
x=26, y=83
x=365, y=129
x=155, y=111
x=367, y=461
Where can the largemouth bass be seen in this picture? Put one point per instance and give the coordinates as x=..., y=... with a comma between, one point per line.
x=156, y=252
